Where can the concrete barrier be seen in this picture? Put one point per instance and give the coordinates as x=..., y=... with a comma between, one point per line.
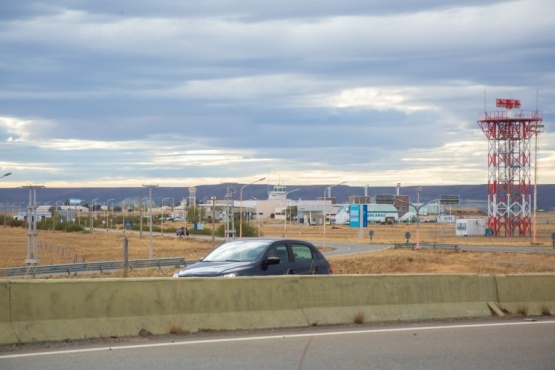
x=7, y=334
x=77, y=309
x=527, y=294
x=396, y=297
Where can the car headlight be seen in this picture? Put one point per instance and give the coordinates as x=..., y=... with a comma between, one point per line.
x=231, y=275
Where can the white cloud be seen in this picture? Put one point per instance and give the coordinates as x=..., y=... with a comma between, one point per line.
x=376, y=92
x=26, y=130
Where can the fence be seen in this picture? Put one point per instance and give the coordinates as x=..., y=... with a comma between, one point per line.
x=90, y=267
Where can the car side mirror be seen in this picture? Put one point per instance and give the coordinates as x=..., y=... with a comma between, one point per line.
x=272, y=261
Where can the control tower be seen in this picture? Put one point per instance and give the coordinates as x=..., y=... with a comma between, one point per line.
x=509, y=187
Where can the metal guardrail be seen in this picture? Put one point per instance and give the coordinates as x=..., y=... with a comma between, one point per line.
x=429, y=245
x=403, y=245
x=440, y=245
x=90, y=267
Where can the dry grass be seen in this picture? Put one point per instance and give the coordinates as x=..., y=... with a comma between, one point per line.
x=60, y=247
x=545, y=309
x=360, y=318
x=522, y=309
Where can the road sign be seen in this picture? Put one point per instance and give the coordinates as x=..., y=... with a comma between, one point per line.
x=449, y=199
x=128, y=223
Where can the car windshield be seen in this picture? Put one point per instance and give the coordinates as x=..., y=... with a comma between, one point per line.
x=238, y=251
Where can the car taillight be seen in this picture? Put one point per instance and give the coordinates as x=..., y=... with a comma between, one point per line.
x=331, y=269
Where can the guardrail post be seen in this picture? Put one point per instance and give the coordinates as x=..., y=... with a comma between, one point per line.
x=125, y=256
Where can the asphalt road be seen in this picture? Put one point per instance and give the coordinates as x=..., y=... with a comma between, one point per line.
x=344, y=248
x=478, y=344
x=347, y=248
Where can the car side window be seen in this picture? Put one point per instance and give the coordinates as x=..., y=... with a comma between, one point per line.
x=302, y=252
x=280, y=251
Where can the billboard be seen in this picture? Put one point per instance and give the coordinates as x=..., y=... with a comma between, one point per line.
x=385, y=199
x=73, y=202
x=354, y=212
x=449, y=199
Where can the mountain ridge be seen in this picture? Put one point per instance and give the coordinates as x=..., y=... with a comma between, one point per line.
x=470, y=195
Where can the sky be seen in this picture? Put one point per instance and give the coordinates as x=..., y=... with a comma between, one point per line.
x=186, y=93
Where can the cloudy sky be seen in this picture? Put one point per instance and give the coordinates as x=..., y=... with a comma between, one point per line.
x=183, y=93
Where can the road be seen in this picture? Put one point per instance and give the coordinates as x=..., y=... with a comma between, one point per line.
x=349, y=248
x=344, y=248
x=478, y=344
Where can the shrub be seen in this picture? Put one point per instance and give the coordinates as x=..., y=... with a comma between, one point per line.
x=359, y=317
x=545, y=309
x=70, y=228
x=522, y=309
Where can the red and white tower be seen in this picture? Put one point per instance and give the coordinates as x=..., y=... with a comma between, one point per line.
x=509, y=188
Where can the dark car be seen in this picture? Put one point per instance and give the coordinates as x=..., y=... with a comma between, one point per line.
x=260, y=257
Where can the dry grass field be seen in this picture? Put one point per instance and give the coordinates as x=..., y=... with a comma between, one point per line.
x=59, y=247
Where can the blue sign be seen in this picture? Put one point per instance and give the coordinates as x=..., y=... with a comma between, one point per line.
x=128, y=223
x=354, y=213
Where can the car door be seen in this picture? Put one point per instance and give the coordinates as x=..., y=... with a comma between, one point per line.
x=304, y=259
x=285, y=266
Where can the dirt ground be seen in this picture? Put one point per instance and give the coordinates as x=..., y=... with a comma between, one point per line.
x=59, y=247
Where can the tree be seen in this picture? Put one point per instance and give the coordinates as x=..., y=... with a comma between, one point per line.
x=195, y=214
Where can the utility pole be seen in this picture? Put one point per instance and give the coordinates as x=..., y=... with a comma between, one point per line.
x=32, y=254
x=150, y=215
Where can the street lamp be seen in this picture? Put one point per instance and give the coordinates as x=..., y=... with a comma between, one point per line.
x=418, y=208
x=108, y=211
x=213, y=199
x=241, y=207
x=285, y=219
x=150, y=213
x=162, y=222
x=91, y=210
x=6, y=174
x=328, y=190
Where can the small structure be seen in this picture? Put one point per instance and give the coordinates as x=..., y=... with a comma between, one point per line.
x=471, y=227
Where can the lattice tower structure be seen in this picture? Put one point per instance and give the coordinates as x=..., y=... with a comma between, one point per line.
x=192, y=196
x=509, y=189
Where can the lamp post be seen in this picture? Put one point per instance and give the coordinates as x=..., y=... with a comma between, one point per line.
x=418, y=208
x=58, y=214
x=213, y=199
x=328, y=190
x=285, y=220
x=108, y=211
x=162, y=222
x=150, y=214
x=241, y=206
x=6, y=174
x=91, y=210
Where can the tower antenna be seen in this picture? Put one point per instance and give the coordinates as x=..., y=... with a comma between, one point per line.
x=509, y=182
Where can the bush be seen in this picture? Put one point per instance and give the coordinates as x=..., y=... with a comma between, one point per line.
x=248, y=230
x=70, y=228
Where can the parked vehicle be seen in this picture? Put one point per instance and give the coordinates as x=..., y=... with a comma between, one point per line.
x=182, y=231
x=260, y=257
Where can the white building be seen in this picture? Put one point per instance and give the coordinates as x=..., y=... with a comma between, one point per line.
x=470, y=227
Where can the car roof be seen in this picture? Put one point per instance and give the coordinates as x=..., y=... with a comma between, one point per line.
x=270, y=240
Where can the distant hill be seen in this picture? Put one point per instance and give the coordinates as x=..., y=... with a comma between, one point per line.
x=470, y=195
